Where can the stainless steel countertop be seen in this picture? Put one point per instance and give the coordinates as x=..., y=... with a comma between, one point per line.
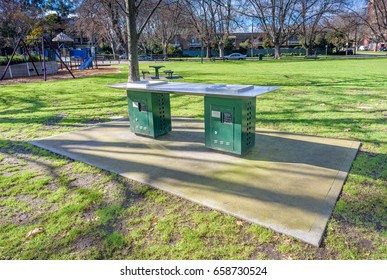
x=232, y=91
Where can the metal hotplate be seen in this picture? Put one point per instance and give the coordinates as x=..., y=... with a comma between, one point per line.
x=146, y=84
x=232, y=91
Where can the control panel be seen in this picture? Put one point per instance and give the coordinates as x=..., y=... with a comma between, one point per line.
x=230, y=124
x=222, y=126
x=139, y=117
x=149, y=113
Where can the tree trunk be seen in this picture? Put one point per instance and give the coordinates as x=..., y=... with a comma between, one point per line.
x=134, y=72
x=306, y=51
x=113, y=50
x=309, y=50
x=221, y=49
x=277, y=54
x=165, y=51
x=208, y=51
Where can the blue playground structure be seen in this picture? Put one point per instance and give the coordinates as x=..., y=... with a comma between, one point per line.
x=83, y=58
x=87, y=63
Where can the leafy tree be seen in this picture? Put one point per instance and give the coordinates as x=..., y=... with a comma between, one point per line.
x=229, y=45
x=244, y=46
x=266, y=43
x=61, y=7
x=37, y=32
x=51, y=24
x=52, y=19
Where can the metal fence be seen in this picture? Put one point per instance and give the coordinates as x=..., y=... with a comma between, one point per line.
x=256, y=52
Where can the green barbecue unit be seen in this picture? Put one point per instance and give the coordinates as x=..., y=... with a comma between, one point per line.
x=229, y=111
x=149, y=113
x=230, y=124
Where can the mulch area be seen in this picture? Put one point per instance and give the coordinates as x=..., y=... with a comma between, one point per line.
x=63, y=74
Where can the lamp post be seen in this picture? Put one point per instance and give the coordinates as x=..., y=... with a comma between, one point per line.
x=326, y=50
x=252, y=37
x=201, y=51
x=202, y=17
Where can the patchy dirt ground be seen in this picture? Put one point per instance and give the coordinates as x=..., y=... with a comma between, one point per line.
x=63, y=74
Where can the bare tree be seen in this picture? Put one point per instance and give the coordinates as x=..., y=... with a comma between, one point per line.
x=89, y=22
x=17, y=19
x=221, y=18
x=355, y=27
x=115, y=26
x=312, y=13
x=148, y=40
x=200, y=21
x=169, y=20
x=280, y=19
x=102, y=20
x=343, y=30
x=219, y=14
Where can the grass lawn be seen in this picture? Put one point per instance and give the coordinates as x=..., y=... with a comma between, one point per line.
x=86, y=213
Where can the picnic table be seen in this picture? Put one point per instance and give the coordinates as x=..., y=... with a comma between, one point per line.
x=156, y=67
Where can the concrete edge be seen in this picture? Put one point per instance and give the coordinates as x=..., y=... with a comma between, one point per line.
x=334, y=194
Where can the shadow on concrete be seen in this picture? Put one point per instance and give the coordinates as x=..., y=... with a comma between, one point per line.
x=283, y=183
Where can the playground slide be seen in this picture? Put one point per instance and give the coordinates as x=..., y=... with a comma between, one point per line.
x=87, y=63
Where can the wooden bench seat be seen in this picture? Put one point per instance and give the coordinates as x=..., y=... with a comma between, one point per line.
x=168, y=73
x=144, y=72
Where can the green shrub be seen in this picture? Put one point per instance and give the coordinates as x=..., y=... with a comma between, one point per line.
x=18, y=59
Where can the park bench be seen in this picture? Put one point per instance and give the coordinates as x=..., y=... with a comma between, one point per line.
x=100, y=58
x=311, y=57
x=144, y=72
x=168, y=73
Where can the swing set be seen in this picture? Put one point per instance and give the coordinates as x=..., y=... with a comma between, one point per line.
x=41, y=44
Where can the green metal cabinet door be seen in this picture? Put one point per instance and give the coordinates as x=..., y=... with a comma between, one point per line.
x=222, y=127
x=140, y=116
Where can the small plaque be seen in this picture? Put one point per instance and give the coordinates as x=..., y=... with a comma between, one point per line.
x=215, y=114
x=143, y=107
x=135, y=104
x=227, y=118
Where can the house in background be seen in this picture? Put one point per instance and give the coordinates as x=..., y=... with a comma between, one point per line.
x=372, y=43
x=191, y=45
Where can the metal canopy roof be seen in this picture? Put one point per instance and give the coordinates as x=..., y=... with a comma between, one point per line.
x=61, y=37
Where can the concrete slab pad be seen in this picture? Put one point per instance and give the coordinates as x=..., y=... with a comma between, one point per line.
x=288, y=182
